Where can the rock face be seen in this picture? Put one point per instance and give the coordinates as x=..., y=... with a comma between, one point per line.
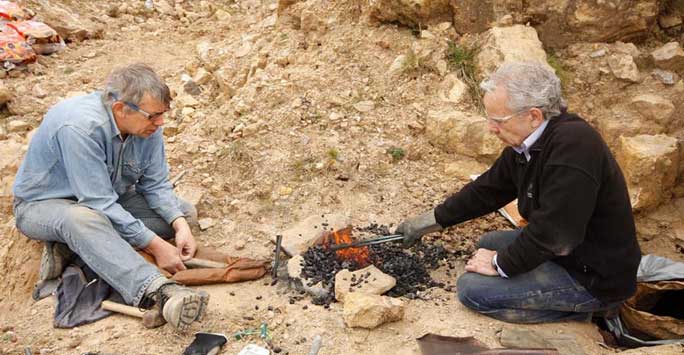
x=669, y=57
x=456, y=132
x=370, y=311
x=561, y=22
x=410, y=12
x=509, y=44
x=650, y=164
x=369, y=280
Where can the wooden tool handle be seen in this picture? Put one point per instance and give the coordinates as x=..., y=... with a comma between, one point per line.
x=123, y=309
x=195, y=263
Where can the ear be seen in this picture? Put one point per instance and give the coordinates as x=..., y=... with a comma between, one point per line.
x=118, y=109
x=537, y=117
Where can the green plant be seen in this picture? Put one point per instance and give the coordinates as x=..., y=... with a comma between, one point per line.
x=397, y=153
x=411, y=61
x=561, y=71
x=333, y=154
x=461, y=59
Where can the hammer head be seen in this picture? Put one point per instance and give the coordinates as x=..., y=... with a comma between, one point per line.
x=153, y=318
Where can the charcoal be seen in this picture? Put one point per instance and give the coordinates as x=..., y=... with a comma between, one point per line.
x=408, y=267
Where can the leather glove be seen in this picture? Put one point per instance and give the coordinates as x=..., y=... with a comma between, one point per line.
x=415, y=227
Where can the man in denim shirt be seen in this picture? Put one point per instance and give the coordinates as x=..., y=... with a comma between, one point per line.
x=95, y=182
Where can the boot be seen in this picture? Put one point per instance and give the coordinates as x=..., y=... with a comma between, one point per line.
x=181, y=306
x=55, y=258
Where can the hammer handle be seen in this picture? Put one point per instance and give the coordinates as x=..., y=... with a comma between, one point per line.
x=122, y=308
x=195, y=263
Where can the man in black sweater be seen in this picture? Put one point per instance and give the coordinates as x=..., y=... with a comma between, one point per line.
x=579, y=253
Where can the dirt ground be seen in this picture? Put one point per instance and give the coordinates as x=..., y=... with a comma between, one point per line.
x=266, y=155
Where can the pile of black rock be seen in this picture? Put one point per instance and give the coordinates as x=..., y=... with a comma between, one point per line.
x=408, y=266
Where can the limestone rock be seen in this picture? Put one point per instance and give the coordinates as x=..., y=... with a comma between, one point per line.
x=453, y=89
x=67, y=24
x=364, y=106
x=620, y=123
x=561, y=23
x=669, y=57
x=650, y=164
x=164, y=8
x=370, y=311
x=5, y=95
x=190, y=193
x=509, y=44
x=18, y=126
x=654, y=108
x=623, y=67
x=464, y=169
x=456, y=132
x=307, y=232
x=311, y=21
x=397, y=65
x=665, y=77
x=10, y=156
x=410, y=12
x=206, y=223
x=669, y=21
x=370, y=280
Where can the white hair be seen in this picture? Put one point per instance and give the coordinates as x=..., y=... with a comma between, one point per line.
x=132, y=82
x=528, y=84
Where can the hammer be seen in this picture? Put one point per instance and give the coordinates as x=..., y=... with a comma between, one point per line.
x=151, y=318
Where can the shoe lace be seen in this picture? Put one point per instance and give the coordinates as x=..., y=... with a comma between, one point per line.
x=155, y=297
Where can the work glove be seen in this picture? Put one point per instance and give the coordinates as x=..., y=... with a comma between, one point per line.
x=414, y=228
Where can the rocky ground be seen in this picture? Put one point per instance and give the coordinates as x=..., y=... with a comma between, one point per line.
x=287, y=110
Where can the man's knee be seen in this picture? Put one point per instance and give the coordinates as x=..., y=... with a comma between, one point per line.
x=78, y=218
x=471, y=291
x=489, y=240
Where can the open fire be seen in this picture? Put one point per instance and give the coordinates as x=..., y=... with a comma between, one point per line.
x=360, y=257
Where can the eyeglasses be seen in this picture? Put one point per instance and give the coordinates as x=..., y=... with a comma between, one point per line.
x=134, y=107
x=505, y=119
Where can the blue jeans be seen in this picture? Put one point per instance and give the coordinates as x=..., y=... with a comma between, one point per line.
x=545, y=294
x=90, y=234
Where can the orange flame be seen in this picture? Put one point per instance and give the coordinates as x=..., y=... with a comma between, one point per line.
x=359, y=255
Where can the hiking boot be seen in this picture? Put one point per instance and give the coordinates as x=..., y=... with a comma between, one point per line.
x=55, y=258
x=181, y=306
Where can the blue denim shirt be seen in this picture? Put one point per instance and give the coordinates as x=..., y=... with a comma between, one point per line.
x=78, y=153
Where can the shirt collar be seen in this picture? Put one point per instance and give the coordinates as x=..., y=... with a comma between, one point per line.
x=115, y=129
x=524, y=148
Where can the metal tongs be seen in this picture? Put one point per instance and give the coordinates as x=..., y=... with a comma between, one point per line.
x=371, y=241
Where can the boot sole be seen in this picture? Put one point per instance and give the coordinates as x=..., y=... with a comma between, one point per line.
x=47, y=263
x=192, y=309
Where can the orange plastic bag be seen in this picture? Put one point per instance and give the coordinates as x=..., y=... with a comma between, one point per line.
x=15, y=50
x=42, y=38
x=12, y=11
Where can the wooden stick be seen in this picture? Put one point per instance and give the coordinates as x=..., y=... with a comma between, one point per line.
x=195, y=263
x=123, y=309
x=175, y=180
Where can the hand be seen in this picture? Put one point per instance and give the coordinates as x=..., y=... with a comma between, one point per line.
x=165, y=255
x=185, y=241
x=414, y=228
x=481, y=262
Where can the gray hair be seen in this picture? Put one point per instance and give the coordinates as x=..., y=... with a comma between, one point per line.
x=132, y=82
x=528, y=84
